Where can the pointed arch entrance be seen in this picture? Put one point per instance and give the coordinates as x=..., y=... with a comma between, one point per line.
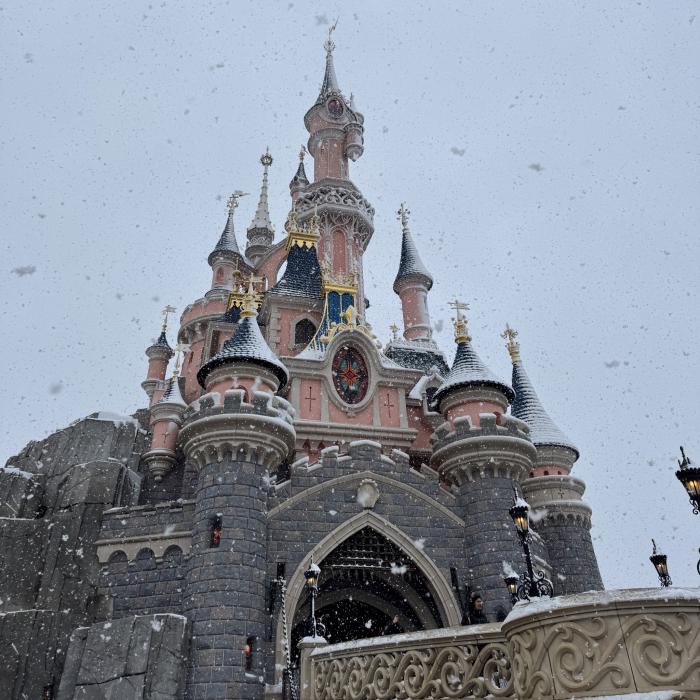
x=352, y=595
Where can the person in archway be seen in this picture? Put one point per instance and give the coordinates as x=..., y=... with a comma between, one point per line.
x=477, y=616
x=393, y=627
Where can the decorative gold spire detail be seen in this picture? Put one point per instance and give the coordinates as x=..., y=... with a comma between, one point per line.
x=167, y=310
x=402, y=215
x=460, y=323
x=179, y=348
x=509, y=335
x=232, y=201
x=394, y=331
x=249, y=306
x=302, y=153
x=303, y=236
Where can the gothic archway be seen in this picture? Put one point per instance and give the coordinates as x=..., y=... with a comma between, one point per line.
x=296, y=596
x=366, y=582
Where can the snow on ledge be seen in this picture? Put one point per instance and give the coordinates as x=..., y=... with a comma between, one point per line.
x=17, y=472
x=526, y=609
x=115, y=418
x=654, y=695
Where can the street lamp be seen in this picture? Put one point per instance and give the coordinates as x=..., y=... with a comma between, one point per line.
x=311, y=576
x=661, y=566
x=512, y=586
x=689, y=476
x=532, y=584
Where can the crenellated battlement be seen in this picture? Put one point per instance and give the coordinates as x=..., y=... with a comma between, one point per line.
x=260, y=431
x=499, y=445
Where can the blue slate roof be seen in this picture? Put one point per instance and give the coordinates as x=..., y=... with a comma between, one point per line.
x=527, y=407
x=246, y=345
x=469, y=370
x=302, y=277
x=411, y=265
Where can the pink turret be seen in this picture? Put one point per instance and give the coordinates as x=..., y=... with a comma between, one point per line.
x=226, y=256
x=159, y=354
x=166, y=421
x=412, y=284
x=470, y=389
x=299, y=182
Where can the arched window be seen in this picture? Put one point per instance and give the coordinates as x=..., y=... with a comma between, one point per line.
x=304, y=332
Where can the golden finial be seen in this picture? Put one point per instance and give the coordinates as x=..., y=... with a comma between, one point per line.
x=394, y=331
x=402, y=215
x=509, y=335
x=266, y=158
x=302, y=153
x=179, y=348
x=250, y=307
x=232, y=201
x=350, y=316
x=460, y=323
x=167, y=310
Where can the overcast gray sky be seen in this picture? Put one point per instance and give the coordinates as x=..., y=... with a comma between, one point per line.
x=548, y=151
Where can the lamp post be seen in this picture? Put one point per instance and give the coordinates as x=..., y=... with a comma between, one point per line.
x=689, y=476
x=311, y=575
x=532, y=584
x=512, y=586
x=661, y=566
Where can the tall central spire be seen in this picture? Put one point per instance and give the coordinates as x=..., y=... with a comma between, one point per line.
x=261, y=232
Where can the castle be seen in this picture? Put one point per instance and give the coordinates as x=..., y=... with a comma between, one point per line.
x=164, y=555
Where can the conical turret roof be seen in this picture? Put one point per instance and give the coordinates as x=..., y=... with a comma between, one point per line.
x=246, y=345
x=227, y=240
x=172, y=393
x=261, y=220
x=528, y=407
x=467, y=370
x=299, y=180
x=410, y=265
x=330, y=81
x=162, y=342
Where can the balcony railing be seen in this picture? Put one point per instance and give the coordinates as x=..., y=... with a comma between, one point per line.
x=457, y=662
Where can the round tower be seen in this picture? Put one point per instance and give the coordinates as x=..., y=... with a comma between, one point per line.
x=166, y=420
x=412, y=284
x=235, y=434
x=299, y=182
x=159, y=354
x=551, y=491
x=226, y=255
x=483, y=454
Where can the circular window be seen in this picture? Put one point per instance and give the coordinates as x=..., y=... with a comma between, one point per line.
x=335, y=107
x=350, y=375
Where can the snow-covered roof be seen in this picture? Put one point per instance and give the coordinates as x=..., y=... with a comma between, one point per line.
x=162, y=341
x=227, y=240
x=299, y=179
x=172, y=393
x=247, y=344
x=469, y=370
x=527, y=407
x=411, y=265
x=302, y=276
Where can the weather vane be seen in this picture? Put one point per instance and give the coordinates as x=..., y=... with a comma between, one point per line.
x=167, y=310
x=394, y=331
x=460, y=323
x=232, y=202
x=329, y=45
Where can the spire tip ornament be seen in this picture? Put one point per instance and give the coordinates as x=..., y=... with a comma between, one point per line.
x=232, y=201
x=402, y=215
x=167, y=310
x=509, y=335
x=460, y=323
x=266, y=158
x=328, y=43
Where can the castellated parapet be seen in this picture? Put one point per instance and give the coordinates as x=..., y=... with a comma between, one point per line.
x=261, y=431
x=499, y=447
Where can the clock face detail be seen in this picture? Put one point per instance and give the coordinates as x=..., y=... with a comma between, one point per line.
x=350, y=375
x=335, y=107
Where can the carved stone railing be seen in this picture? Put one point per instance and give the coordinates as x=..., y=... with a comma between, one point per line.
x=607, y=643
x=457, y=662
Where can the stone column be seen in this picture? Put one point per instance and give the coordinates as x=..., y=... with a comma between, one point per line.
x=485, y=463
x=563, y=521
x=234, y=446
